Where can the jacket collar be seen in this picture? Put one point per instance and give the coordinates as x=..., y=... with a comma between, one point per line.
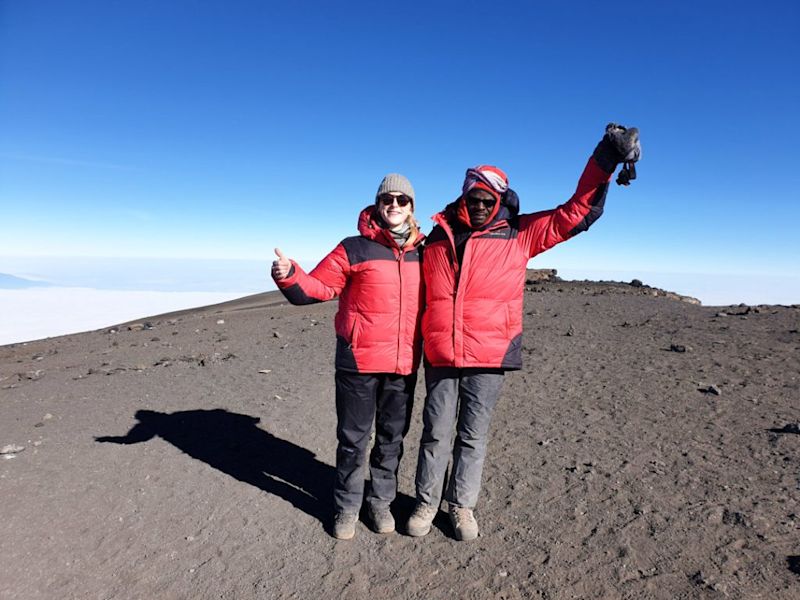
x=371, y=227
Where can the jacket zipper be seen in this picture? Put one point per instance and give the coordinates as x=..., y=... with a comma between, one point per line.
x=457, y=271
x=400, y=316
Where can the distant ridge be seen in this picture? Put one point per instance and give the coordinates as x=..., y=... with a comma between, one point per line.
x=11, y=282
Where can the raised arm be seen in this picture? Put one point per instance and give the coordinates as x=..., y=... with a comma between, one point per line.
x=542, y=230
x=323, y=283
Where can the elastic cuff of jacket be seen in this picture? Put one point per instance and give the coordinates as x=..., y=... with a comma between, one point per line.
x=287, y=281
x=607, y=157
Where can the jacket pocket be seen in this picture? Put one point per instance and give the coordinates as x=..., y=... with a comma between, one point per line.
x=355, y=330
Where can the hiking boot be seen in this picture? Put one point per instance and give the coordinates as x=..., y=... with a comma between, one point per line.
x=420, y=521
x=344, y=525
x=381, y=517
x=464, y=524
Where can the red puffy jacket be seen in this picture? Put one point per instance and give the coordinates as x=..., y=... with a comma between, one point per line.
x=379, y=286
x=473, y=312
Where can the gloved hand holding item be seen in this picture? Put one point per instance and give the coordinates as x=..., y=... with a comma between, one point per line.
x=619, y=145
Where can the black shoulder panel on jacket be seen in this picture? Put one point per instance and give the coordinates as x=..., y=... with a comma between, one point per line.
x=296, y=295
x=598, y=202
x=438, y=234
x=414, y=255
x=360, y=249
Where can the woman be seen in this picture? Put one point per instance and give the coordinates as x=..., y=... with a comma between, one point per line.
x=377, y=277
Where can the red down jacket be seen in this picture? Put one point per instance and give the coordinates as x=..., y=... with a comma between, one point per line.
x=473, y=312
x=379, y=286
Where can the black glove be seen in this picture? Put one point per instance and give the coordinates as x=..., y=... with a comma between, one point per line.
x=619, y=145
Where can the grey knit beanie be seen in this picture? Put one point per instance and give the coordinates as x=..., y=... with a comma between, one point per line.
x=394, y=182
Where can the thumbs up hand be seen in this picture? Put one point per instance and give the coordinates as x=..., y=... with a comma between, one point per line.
x=280, y=267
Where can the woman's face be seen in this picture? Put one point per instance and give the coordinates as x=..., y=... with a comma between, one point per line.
x=395, y=208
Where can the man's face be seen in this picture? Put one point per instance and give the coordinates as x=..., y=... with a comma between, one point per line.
x=479, y=206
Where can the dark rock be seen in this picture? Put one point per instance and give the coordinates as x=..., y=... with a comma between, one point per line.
x=711, y=389
x=636, y=283
x=31, y=375
x=677, y=348
x=731, y=517
x=537, y=275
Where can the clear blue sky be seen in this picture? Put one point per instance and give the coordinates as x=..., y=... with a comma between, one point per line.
x=201, y=129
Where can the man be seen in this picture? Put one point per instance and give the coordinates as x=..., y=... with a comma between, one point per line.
x=474, y=271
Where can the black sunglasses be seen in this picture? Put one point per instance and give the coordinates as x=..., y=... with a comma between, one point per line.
x=388, y=200
x=473, y=201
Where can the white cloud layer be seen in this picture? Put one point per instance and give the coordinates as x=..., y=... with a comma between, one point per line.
x=35, y=313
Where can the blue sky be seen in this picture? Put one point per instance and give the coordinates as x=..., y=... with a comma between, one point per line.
x=218, y=130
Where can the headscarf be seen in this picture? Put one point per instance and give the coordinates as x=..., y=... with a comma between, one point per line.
x=484, y=177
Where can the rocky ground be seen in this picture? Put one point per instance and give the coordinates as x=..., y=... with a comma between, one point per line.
x=650, y=448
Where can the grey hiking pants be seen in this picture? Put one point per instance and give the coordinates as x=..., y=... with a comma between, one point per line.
x=460, y=400
x=386, y=400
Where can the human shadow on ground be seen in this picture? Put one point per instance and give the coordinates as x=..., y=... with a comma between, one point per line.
x=234, y=444
x=788, y=428
x=794, y=564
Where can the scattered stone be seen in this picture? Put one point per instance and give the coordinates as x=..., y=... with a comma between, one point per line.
x=47, y=417
x=277, y=397
x=711, y=389
x=11, y=449
x=200, y=359
x=539, y=275
x=570, y=331
x=702, y=580
x=721, y=314
x=276, y=334
x=265, y=371
x=677, y=348
x=730, y=517
x=220, y=321
x=37, y=443
x=136, y=327
x=32, y=375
